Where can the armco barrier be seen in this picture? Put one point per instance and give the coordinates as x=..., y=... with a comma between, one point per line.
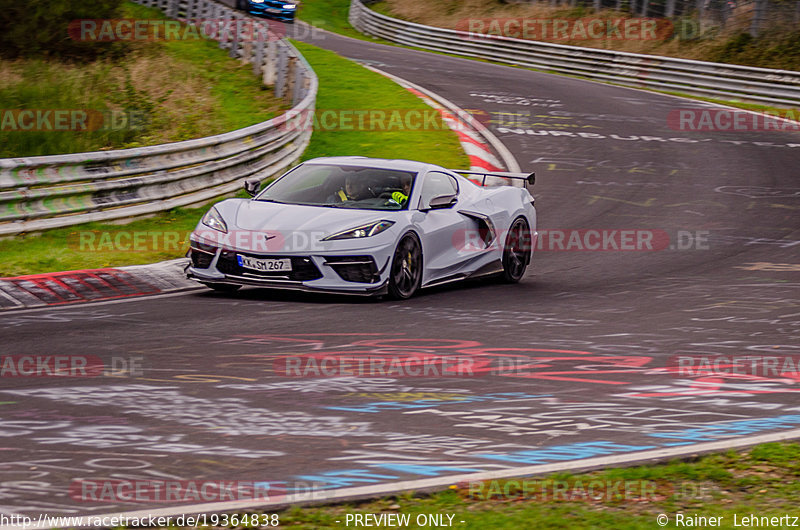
x=45, y=192
x=724, y=81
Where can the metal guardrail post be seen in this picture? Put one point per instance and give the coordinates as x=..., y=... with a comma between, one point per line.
x=247, y=51
x=700, y=6
x=224, y=31
x=758, y=17
x=299, y=83
x=271, y=66
x=258, y=59
x=281, y=71
x=201, y=7
x=353, y=15
x=234, y=51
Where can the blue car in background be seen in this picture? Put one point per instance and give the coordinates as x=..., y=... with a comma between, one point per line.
x=275, y=9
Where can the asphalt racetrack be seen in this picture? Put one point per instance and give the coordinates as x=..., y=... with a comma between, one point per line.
x=659, y=314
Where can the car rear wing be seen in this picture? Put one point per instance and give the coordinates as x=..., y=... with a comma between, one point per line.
x=529, y=178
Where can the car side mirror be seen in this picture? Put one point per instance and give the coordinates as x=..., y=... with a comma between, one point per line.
x=442, y=201
x=251, y=186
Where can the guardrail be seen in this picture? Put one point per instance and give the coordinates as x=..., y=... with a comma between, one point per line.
x=724, y=81
x=43, y=192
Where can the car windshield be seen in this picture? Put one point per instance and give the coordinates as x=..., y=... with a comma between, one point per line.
x=335, y=186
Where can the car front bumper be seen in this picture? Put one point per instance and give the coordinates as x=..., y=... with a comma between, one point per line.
x=342, y=270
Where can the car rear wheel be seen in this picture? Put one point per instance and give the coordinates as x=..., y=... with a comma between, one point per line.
x=406, y=273
x=223, y=287
x=517, y=251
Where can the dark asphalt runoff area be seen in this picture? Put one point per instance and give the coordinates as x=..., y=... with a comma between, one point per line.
x=599, y=351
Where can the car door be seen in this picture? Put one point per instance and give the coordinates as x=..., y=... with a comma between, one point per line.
x=439, y=226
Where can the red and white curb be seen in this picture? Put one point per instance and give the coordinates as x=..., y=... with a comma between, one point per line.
x=92, y=285
x=476, y=140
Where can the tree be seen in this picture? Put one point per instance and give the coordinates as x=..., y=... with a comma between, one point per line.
x=39, y=28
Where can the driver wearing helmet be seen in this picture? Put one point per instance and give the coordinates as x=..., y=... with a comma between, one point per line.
x=355, y=189
x=401, y=197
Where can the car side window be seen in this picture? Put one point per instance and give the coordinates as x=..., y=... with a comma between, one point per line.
x=435, y=184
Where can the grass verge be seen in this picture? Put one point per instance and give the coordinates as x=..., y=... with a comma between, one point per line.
x=761, y=482
x=157, y=92
x=343, y=85
x=331, y=15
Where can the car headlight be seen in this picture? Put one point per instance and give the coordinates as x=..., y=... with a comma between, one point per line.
x=256, y=1
x=213, y=219
x=361, y=231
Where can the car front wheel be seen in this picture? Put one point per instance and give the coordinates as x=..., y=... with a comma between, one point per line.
x=517, y=251
x=406, y=273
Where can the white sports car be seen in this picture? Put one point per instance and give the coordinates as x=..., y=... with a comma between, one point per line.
x=366, y=226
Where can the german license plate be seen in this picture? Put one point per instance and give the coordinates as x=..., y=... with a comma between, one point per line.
x=272, y=10
x=265, y=265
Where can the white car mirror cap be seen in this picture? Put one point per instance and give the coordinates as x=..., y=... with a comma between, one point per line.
x=442, y=201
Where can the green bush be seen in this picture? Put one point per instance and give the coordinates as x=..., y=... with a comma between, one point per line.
x=775, y=48
x=39, y=28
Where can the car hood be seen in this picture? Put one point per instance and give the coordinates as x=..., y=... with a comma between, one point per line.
x=269, y=216
x=268, y=227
